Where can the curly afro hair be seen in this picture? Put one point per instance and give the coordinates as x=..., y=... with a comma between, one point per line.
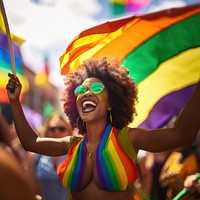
x=121, y=88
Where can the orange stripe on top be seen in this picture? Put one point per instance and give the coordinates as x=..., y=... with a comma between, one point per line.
x=62, y=167
x=137, y=32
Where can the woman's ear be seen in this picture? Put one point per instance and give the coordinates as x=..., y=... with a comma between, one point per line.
x=109, y=107
x=110, y=113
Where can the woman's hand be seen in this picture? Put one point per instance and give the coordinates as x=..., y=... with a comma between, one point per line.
x=13, y=87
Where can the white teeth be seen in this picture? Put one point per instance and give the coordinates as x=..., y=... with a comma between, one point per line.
x=85, y=103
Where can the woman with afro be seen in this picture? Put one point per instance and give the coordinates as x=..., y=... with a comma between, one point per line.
x=99, y=100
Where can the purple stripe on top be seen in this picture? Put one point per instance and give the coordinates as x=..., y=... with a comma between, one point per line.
x=5, y=54
x=101, y=168
x=167, y=107
x=82, y=164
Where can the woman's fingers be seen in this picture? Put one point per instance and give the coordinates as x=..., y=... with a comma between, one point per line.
x=13, y=82
x=13, y=86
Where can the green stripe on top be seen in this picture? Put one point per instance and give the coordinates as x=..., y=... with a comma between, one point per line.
x=111, y=166
x=126, y=144
x=6, y=67
x=5, y=61
x=175, y=39
x=112, y=171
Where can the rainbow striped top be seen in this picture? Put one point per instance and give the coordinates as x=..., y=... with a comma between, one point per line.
x=115, y=163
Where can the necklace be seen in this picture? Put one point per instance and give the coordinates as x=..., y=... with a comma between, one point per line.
x=90, y=151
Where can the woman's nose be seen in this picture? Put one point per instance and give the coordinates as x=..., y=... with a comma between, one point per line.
x=88, y=92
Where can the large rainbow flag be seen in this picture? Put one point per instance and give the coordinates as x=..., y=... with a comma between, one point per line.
x=5, y=62
x=161, y=50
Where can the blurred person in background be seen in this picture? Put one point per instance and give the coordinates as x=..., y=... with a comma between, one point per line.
x=14, y=184
x=192, y=184
x=155, y=162
x=142, y=185
x=181, y=163
x=145, y=175
x=55, y=126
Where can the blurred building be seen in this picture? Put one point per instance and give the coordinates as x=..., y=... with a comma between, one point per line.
x=39, y=95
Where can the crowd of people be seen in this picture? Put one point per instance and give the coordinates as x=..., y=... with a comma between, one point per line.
x=161, y=175
x=14, y=181
x=32, y=172
x=166, y=174
x=175, y=172
x=96, y=156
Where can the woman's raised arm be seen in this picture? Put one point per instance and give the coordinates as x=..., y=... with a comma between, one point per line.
x=27, y=136
x=182, y=133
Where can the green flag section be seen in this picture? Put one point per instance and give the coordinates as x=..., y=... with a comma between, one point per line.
x=48, y=109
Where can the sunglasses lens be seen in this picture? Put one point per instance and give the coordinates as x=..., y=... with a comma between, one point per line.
x=59, y=128
x=52, y=129
x=96, y=88
x=81, y=89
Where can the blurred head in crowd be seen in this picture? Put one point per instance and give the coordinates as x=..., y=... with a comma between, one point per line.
x=56, y=126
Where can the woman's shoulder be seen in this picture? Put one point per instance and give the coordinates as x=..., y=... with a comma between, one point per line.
x=74, y=140
x=132, y=133
x=125, y=142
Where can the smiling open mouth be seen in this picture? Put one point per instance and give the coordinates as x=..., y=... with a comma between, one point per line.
x=88, y=106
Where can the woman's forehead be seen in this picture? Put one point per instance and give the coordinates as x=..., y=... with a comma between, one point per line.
x=91, y=80
x=55, y=120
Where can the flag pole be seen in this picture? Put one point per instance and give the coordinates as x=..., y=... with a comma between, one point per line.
x=12, y=58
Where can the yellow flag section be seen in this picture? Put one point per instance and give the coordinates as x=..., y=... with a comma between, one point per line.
x=166, y=79
x=15, y=38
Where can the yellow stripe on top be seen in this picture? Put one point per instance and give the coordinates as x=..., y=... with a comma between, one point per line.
x=173, y=74
x=15, y=38
x=71, y=161
x=4, y=81
x=65, y=180
x=119, y=167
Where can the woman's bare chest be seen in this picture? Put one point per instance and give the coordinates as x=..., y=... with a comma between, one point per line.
x=90, y=173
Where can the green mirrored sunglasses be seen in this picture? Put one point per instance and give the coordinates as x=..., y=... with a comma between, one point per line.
x=95, y=88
